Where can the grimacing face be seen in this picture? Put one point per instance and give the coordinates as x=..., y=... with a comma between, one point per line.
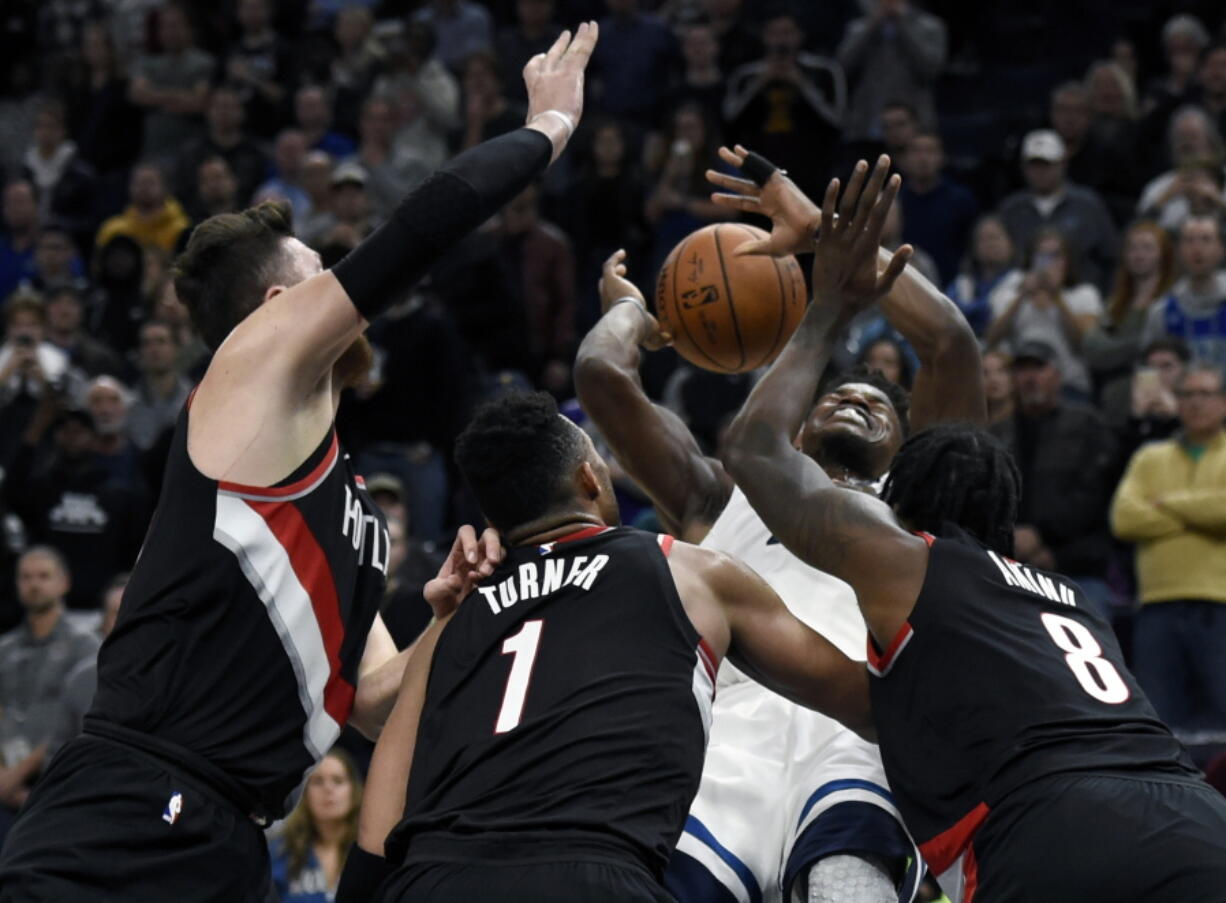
x=854, y=426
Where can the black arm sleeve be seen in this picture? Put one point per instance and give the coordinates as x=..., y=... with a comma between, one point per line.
x=363, y=874
x=438, y=213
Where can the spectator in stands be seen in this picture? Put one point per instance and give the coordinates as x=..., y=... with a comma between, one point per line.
x=313, y=113
x=1067, y=458
x=350, y=210
x=108, y=402
x=998, y=386
x=990, y=277
x=289, y=152
x=216, y=190
x=104, y=122
x=66, y=331
x=891, y=239
x=539, y=256
x=1153, y=407
x=893, y=54
x=29, y=364
x=1212, y=84
x=461, y=27
x=410, y=564
x=71, y=500
x=1184, y=38
x=789, y=105
x=1052, y=306
x=64, y=182
x=56, y=264
x=702, y=80
x=1094, y=158
x=533, y=32
x=1195, y=309
x=1172, y=504
x=192, y=353
x=391, y=172
x=887, y=356
x=118, y=304
x=681, y=201
x=162, y=390
x=82, y=681
x=354, y=68
x=309, y=855
x=899, y=124
x=487, y=112
x=938, y=213
x=1195, y=146
x=20, y=214
x=153, y=217
x=260, y=66
x=1144, y=277
x=1050, y=200
x=35, y=659
x=604, y=212
x=171, y=86
x=223, y=138
x=636, y=56
x=1113, y=103
x=317, y=183
x=424, y=96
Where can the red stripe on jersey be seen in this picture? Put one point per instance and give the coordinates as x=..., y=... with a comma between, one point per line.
x=582, y=534
x=970, y=875
x=666, y=543
x=707, y=656
x=879, y=662
x=311, y=567
x=191, y=395
x=943, y=850
x=276, y=492
x=928, y=538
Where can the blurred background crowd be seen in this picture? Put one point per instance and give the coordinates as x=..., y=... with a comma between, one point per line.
x=1065, y=183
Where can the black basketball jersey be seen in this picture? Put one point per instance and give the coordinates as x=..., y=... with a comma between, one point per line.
x=1001, y=675
x=242, y=628
x=566, y=711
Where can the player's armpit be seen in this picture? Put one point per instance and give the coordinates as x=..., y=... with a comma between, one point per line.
x=770, y=644
x=379, y=677
x=388, y=778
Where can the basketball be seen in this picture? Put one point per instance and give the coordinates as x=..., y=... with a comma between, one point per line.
x=728, y=314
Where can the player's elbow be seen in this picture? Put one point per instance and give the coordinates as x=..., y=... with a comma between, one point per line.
x=367, y=717
x=597, y=379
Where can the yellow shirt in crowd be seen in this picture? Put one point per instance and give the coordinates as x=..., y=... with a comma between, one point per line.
x=160, y=230
x=1172, y=504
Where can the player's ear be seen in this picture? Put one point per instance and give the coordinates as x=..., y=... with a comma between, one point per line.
x=273, y=291
x=588, y=483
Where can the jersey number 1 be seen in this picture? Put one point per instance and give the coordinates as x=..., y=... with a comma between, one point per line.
x=523, y=646
x=1096, y=675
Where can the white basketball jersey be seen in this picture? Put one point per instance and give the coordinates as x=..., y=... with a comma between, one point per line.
x=825, y=603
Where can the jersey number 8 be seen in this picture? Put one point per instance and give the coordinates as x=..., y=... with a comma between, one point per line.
x=1096, y=675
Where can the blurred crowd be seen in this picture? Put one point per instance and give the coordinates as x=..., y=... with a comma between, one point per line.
x=1065, y=183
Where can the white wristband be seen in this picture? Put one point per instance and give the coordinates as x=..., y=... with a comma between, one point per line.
x=564, y=117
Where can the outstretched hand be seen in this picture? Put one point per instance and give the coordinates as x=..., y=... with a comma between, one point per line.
x=794, y=218
x=615, y=287
x=554, y=79
x=470, y=560
x=845, y=270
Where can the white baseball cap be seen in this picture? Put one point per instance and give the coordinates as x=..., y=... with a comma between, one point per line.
x=1043, y=144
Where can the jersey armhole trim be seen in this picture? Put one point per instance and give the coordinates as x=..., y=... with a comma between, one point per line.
x=880, y=663
x=926, y=537
x=942, y=851
x=293, y=490
x=666, y=543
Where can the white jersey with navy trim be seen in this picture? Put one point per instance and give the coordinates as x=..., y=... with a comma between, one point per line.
x=783, y=786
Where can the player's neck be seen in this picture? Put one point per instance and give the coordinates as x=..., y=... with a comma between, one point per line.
x=550, y=527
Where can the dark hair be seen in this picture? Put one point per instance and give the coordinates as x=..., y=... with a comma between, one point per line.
x=1173, y=344
x=1071, y=276
x=230, y=261
x=517, y=453
x=905, y=376
x=25, y=301
x=899, y=104
x=956, y=473
x=895, y=393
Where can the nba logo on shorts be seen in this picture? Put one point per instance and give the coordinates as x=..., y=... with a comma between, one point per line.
x=173, y=808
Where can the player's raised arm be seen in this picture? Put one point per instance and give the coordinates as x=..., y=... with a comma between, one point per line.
x=949, y=384
x=651, y=443
x=303, y=330
x=844, y=532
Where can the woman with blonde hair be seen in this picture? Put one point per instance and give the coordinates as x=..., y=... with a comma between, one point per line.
x=309, y=854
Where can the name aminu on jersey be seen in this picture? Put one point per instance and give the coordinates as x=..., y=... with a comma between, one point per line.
x=535, y=579
x=1019, y=575
x=359, y=525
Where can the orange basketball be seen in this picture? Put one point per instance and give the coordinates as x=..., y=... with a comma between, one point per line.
x=728, y=314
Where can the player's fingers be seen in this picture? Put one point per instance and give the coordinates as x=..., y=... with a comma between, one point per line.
x=554, y=53
x=737, y=202
x=733, y=157
x=829, y=202
x=758, y=248
x=466, y=539
x=492, y=544
x=580, y=49
x=851, y=194
x=871, y=193
x=894, y=268
x=611, y=262
x=732, y=183
x=881, y=210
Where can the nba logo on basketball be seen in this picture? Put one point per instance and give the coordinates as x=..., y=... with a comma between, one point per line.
x=173, y=808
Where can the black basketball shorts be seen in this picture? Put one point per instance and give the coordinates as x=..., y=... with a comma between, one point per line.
x=525, y=882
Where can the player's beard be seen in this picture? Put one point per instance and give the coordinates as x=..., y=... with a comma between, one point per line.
x=354, y=364
x=848, y=452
